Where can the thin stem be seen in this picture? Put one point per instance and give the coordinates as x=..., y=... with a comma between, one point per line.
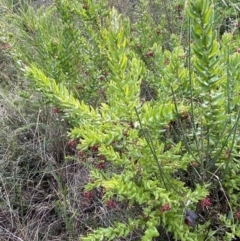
x=149, y=141
x=220, y=137
x=234, y=128
x=150, y=144
x=191, y=90
x=228, y=86
x=181, y=127
x=232, y=144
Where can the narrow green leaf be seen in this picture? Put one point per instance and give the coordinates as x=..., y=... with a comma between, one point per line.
x=207, y=16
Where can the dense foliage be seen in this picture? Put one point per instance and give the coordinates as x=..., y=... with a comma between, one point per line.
x=154, y=116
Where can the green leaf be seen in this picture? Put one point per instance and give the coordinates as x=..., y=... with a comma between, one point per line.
x=207, y=15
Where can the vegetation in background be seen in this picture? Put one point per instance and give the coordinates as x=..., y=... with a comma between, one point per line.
x=118, y=128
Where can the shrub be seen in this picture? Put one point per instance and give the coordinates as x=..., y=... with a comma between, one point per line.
x=173, y=155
